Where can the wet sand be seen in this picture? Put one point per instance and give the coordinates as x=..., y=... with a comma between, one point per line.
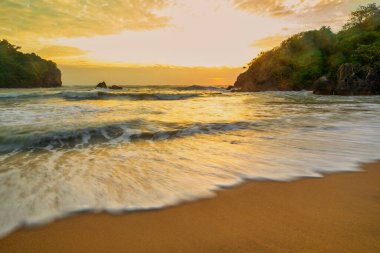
x=338, y=213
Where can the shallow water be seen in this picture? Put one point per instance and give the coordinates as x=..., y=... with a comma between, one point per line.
x=71, y=149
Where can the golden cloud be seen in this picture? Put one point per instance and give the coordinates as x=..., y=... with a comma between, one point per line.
x=280, y=8
x=58, y=51
x=72, y=18
x=310, y=13
x=270, y=7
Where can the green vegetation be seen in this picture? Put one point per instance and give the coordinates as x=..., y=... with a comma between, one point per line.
x=305, y=57
x=19, y=70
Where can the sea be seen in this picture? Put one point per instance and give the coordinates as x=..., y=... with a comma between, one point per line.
x=79, y=149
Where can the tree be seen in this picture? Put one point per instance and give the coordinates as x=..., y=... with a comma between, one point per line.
x=368, y=54
x=359, y=16
x=19, y=70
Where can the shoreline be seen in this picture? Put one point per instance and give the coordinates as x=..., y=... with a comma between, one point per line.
x=336, y=213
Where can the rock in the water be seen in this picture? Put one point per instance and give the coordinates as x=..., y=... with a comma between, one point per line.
x=324, y=86
x=353, y=79
x=116, y=87
x=102, y=85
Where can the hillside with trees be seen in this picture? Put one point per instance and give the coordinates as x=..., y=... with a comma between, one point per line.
x=19, y=70
x=306, y=57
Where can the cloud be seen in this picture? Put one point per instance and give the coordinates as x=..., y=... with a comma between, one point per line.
x=280, y=8
x=306, y=14
x=269, y=7
x=269, y=42
x=58, y=51
x=29, y=19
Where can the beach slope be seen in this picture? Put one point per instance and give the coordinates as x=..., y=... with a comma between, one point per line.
x=337, y=213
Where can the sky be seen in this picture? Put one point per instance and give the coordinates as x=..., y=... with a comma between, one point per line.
x=169, y=42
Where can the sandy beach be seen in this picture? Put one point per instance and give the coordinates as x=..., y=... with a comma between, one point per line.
x=337, y=213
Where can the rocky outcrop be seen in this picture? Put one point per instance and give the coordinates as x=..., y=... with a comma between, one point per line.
x=244, y=82
x=102, y=85
x=51, y=79
x=351, y=79
x=115, y=87
x=259, y=81
x=324, y=86
x=305, y=57
x=21, y=70
x=355, y=79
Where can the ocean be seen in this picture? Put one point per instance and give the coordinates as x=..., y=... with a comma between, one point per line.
x=75, y=149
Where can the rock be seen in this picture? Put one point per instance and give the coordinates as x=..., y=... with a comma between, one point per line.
x=52, y=79
x=354, y=79
x=244, y=82
x=251, y=81
x=116, y=87
x=102, y=85
x=324, y=86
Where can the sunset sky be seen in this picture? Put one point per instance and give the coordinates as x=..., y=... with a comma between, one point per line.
x=180, y=42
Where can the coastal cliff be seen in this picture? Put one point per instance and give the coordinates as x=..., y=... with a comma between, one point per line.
x=19, y=70
x=352, y=79
x=343, y=63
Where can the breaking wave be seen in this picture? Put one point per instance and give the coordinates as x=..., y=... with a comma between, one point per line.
x=112, y=133
x=200, y=87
